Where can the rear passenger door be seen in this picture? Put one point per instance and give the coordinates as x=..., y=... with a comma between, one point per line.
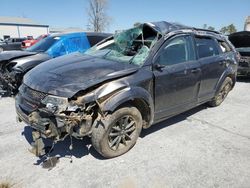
x=177, y=76
x=212, y=65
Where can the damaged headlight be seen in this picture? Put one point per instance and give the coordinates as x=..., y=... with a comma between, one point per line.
x=54, y=103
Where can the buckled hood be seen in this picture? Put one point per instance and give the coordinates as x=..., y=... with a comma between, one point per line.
x=67, y=75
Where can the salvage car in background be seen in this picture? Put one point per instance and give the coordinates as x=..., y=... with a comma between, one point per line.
x=11, y=44
x=127, y=82
x=30, y=42
x=241, y=41
x=14, y=64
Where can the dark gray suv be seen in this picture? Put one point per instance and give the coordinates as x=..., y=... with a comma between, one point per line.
x=127, y=82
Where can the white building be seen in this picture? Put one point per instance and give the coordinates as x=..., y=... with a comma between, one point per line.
x=66, y=30
x=247, y=24
x=20, y=27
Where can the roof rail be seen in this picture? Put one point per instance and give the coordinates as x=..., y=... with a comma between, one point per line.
x=207, y=30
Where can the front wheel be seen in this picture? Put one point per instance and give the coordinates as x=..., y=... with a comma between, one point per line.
x=118, y=132
x=225, y=88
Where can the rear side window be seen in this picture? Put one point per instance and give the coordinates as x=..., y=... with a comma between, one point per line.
x=206, y=47
x=93, y=40
x=178, y=50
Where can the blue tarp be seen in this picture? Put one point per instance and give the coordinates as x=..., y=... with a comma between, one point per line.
x=66, y=44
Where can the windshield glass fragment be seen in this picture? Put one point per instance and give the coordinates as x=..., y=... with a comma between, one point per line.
x=128, y=46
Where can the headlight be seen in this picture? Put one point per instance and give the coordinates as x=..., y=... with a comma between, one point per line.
x=54, y=103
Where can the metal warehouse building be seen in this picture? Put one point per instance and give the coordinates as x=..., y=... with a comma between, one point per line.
x=20, y=27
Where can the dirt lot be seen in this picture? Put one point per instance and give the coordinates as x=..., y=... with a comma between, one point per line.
x=205, y=147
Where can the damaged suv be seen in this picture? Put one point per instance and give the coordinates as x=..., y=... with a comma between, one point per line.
x=241, y=41
x=127, y=82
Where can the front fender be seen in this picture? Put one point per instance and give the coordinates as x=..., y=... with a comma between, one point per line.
x=129, y=94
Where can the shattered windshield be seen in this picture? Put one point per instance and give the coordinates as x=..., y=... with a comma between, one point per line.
x=43, y=45
x=129, y=46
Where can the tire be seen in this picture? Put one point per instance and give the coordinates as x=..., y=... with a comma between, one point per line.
x=225, y=88
x=117, y=133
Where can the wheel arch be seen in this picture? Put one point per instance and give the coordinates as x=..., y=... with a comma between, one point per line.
x=135, y=96
x=228, y=73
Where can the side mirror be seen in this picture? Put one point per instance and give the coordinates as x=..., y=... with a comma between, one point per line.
x=159, y=66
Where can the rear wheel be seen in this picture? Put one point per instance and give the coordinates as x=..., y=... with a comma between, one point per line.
x=118, y=133
x=225, y=88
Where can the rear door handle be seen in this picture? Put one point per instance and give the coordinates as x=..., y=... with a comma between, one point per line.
x=195, y=70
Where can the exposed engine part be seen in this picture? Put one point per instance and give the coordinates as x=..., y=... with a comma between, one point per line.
x=10, y=82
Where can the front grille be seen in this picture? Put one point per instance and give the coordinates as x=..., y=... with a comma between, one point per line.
x=30, y=99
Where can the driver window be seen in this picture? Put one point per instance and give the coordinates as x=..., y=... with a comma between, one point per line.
x=178, y=50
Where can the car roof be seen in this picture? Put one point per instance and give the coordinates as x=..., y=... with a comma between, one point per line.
x=167, y=27
x=80, y=33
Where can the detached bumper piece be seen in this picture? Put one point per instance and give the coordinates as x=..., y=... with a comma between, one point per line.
x=38, y=146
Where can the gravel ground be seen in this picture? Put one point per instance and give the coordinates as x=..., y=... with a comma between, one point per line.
x=204, y=147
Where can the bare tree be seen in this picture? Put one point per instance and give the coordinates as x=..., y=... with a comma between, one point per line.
x=98, y=19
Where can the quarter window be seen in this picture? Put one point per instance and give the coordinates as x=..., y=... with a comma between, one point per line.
x=178, y=50
x=206, y=47
x=224, y=47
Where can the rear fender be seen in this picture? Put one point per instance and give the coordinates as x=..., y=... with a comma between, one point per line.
x=229, y=72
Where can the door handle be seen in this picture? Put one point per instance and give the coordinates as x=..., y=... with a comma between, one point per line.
x=195, y=70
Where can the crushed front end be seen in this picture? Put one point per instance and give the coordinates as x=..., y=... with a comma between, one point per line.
x=10, y=80
x=53, y=117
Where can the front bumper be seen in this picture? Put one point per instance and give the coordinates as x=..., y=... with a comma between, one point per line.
x=51, y=125
x=25, y=116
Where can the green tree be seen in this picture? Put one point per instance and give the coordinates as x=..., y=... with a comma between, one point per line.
x=223, y=30
x=231, y=29
x=227, y=30
x=211, y=28
x=205, y=26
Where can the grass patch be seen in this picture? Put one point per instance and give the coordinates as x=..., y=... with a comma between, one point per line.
x=6, y=184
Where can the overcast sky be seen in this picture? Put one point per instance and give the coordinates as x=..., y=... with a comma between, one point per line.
x=65, y=13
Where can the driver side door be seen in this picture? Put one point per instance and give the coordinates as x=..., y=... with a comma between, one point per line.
x=177, y=77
